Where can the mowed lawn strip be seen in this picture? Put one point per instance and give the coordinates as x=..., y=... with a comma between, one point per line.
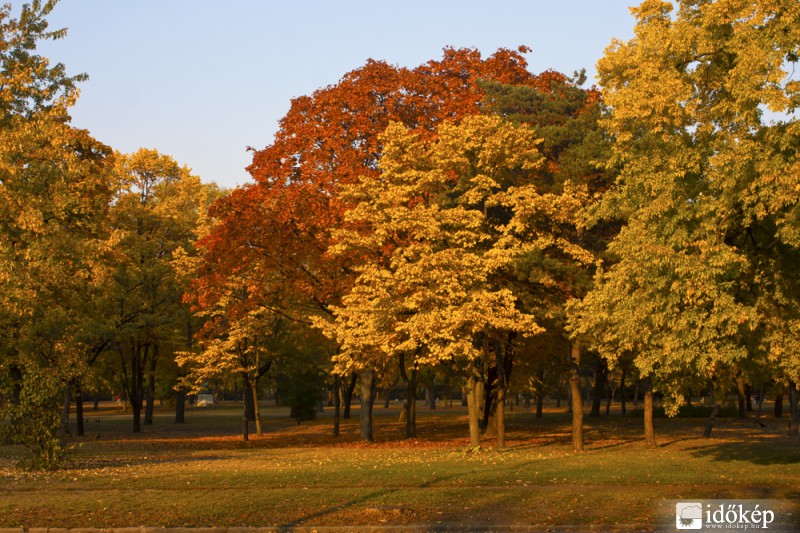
x=201, y=474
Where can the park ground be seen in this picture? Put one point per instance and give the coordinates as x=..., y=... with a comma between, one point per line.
x=201, y=473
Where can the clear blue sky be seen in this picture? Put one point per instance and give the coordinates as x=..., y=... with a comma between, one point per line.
x=202, y=80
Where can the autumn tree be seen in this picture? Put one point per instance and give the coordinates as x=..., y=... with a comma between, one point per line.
x=440, y=233
x=282, y=223
x=153, y=218
x=552, y=206
x=708, y=192
x=54, y=189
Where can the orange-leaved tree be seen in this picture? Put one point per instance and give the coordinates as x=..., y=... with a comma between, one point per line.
x=282, y=223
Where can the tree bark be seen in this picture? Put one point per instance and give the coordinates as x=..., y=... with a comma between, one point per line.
x=64, y=429
x=411, y=405
x=740, y=393
x=711, y=419
x=558, y=392
x=337, y=405
x=748, y=400
x=649, y=432
x=249, y=408
x=136, y=407
x=180, y=407
x=348, y=396
x=599, y=386
x=150, y=391
x=539, y=394
x=500, y=414
x=622, y=392
x=779, y=402
x=488, y=390
x=431, y=391
x=368, y=392
x=472, y=393
x=133, y=371
x=81, y=430
x=794, y=416
x=256, y=410
x=504, y=357
x=577, y=399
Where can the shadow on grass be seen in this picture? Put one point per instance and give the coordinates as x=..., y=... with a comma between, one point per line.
x=781, y=451
x=362, y=499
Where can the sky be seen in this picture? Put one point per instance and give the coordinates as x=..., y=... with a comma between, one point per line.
x=204, y=80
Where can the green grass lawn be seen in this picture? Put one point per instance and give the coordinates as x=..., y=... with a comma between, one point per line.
x=202, y=474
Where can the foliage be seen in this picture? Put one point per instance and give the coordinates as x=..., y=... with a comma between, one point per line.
x=54, y=191
x=431, y=285
x=34, y=418
x=153, y=226
x=708, y=191
x=29, y=84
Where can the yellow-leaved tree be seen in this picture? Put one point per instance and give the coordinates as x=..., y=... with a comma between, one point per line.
x=705, y=283
x=439, y=234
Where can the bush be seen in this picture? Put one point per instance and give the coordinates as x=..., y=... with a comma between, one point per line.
x=34, y=421
x=302, y=390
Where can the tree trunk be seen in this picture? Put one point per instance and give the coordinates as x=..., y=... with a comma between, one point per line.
x=81, y=430
x=488, y=397
x=368, y=392
x=558, y=392
x=472, y=394
x=464, y=399
x=256, y=410
x=577, y=400
x=500, y=413
x=599, y=386
x=740, y=393
x=711, y=419
x=64, y=429
x=779, y=402
x=348, y=396
x=180, y=407
x=636, y=394
x=794, y=416
x=249, y=408
x=133, y=372
x=337, y=405
x=622, y=392
x=539, y=394
x=649, y=432
x=411, y=405
x=136, y=407
x=150, y=391
x=748, y=400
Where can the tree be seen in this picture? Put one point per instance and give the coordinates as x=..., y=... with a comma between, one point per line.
x=430, y=283
x=153, y=223
x=551, y=208
x=281, y=225
x=54, y=190
x=707, y=190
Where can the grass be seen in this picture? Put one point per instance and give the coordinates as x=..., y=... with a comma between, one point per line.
x=202, y=474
